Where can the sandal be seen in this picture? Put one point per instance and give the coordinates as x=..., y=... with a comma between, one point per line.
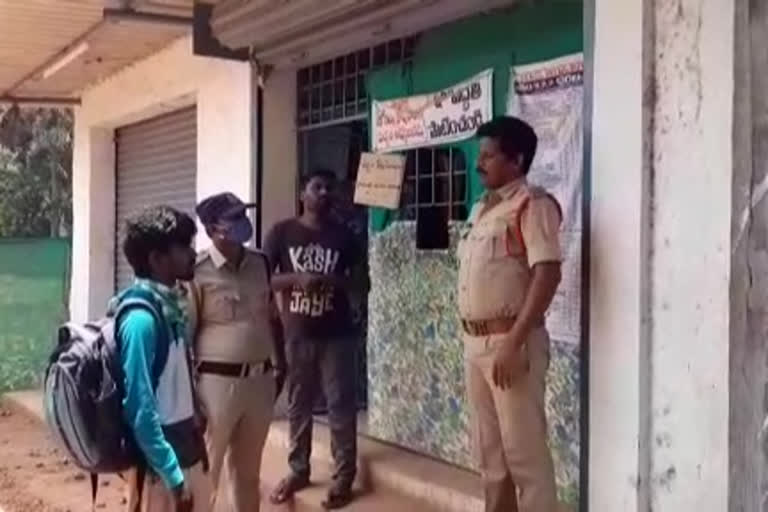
x=287, y=487
x=338, y=497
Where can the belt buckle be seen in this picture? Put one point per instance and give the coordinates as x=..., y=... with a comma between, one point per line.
x=245, y=370
x=472, y=328
x=476, y=328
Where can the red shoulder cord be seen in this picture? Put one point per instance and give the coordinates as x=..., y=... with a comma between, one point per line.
x=518, y=231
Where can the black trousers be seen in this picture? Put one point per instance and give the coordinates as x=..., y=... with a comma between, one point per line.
x=327, y=364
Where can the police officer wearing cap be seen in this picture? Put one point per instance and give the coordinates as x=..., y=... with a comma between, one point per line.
x=239, y=351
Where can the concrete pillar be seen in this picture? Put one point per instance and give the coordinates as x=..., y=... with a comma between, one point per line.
x=93, y=197
x=663, y=178
x=692, y=169
x=618, y=367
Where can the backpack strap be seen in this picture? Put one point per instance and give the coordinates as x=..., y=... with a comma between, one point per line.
x=141, y=477
x=138, y=299
x=94, y=489
x=148, y=303
x=136, y=484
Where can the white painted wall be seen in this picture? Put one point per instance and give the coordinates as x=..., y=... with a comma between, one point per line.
x=168, y=80
x=280, y=147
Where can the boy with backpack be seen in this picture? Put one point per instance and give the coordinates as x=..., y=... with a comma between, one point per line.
x=119, y=392
x=159, y=404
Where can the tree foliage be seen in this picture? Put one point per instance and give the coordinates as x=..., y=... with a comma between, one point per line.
x=35, y=172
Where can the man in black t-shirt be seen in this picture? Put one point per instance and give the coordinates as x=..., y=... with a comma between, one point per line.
x=312, y=257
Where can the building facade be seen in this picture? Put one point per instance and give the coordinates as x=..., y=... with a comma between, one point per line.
x=660, y=401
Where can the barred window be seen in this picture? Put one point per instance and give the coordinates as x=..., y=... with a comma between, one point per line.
x=334, y=91
x=435, y=177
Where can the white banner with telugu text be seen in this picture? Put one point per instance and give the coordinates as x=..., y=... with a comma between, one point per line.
x=442, y=117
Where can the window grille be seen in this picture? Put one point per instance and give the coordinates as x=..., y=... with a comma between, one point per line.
x=435, y=177
x=334, y=91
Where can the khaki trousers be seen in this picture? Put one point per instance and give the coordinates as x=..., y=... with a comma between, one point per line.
x=509, y=428
x=156, y=497
x=239, y=412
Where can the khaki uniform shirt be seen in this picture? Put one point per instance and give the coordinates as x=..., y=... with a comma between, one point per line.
x=494, y=267
x=231, y=309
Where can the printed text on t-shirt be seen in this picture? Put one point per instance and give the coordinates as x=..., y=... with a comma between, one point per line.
x=315, y=259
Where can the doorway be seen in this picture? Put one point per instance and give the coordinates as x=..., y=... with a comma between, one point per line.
x=337, y=148
x=333, y=132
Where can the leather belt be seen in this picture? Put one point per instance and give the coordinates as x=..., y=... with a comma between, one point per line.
x=240, y=370
x=488, y=327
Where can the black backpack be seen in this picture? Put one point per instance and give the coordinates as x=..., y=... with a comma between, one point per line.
x=83, y=392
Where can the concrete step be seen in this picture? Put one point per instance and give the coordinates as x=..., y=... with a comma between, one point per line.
x=275, y=467
x=384, y=467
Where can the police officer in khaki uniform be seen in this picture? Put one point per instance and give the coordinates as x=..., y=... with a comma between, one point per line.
x=509, y=271
x=238, y=342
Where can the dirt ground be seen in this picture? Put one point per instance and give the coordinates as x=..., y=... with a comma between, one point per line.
x=35, y=475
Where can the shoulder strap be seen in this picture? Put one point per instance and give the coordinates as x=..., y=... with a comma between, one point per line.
x=141, y=477
x=148, y=303
x=94, y=489
x=141, y=473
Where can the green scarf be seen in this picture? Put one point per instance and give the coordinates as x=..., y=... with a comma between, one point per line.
x=172, y=300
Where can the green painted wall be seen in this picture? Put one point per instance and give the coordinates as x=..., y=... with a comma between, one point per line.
x=456, y=52
x=33, y=284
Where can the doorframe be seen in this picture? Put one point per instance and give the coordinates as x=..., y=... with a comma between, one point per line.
x=588, y=51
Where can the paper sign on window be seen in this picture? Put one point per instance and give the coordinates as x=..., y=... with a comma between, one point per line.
x=380, y=180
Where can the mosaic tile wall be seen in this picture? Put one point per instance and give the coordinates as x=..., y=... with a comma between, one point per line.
x=415, y=360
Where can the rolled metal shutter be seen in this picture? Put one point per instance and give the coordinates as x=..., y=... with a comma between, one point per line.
x=156, y=164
